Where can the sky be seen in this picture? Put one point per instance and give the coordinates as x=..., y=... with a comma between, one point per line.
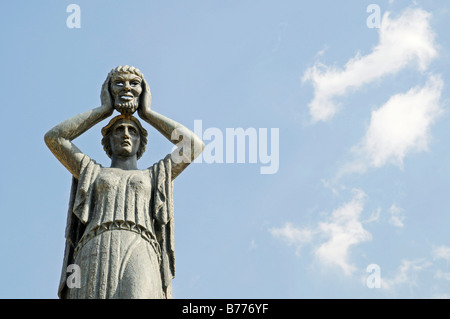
x=340, y=187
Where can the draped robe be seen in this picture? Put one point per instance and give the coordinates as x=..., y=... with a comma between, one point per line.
x=120, y=233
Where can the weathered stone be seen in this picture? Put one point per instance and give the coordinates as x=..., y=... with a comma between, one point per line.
x=119, y=231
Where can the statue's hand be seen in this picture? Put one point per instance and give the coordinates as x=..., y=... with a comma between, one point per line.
x=146, y=100
x=105, y=97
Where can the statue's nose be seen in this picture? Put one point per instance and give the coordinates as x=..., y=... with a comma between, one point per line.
x=126, y=133
x=127, y=86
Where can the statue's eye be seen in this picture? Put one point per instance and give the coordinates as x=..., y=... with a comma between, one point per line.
x=118, y=83
x=135, y=83
x=119, y=130
x=132, y=131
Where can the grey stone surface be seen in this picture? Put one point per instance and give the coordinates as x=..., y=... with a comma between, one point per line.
x=120, y=222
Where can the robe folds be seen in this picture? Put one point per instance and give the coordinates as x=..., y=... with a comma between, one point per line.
x=120, y=233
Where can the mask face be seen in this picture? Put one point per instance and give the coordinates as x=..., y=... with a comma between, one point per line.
x=125, y=90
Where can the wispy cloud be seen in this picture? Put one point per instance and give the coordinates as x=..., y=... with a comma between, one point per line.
x=441, y=252
x=407, y=274
x=333, y=238
x=397, y=216
x=343, y=230
x=439, y=274
x=403, y=41
x=293, y=236
x=399, y=127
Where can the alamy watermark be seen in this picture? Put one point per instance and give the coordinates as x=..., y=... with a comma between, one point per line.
x=374, y=19
x=374, y=279
x=235, y=145
x=74, y=19
x=74, y=279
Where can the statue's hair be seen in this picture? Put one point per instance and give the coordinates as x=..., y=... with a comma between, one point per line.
x=126, y=69
x=107, y=130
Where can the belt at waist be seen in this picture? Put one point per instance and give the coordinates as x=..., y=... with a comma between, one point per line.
x=119, y=225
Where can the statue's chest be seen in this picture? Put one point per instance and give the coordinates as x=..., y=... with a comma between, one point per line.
x=114, y=180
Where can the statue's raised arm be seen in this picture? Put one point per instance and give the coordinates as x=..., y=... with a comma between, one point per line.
x=59, y=138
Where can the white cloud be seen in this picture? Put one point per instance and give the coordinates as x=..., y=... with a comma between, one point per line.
x=442, y=275
x=441, y=252
x=293, y=236
x=333, y=237
x=399, y=127
x=374, y=216
x=252, y=245
x=406, y=275
x=343, y=230
x=403, y=40
x=397, y=216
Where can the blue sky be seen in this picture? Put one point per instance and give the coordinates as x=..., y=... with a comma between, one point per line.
x=362, y=116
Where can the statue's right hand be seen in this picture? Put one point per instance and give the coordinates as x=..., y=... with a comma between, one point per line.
x=106, y=99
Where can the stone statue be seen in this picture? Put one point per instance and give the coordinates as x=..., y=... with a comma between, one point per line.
x=120, y=223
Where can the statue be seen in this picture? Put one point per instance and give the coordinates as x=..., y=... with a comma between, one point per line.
x=120, y=221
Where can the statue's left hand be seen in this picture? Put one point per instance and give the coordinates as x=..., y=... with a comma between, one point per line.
x=146, y=100
x=106, y=99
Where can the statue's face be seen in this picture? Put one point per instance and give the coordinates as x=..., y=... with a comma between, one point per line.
x=125, y=139
x=125, y=90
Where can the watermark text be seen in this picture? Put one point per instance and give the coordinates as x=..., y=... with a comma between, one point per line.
x=235, y=145
x=74, y=19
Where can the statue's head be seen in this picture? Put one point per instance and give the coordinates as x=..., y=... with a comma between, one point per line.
x=124, y=136
x=125, y=86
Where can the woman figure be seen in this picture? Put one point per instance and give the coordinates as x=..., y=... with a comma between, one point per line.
x=120, y=220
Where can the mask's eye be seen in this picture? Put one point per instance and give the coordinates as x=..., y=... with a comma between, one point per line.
x=118, y=83
x=135, y=83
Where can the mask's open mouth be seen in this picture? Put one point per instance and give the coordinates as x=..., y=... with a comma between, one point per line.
x=126, y=97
